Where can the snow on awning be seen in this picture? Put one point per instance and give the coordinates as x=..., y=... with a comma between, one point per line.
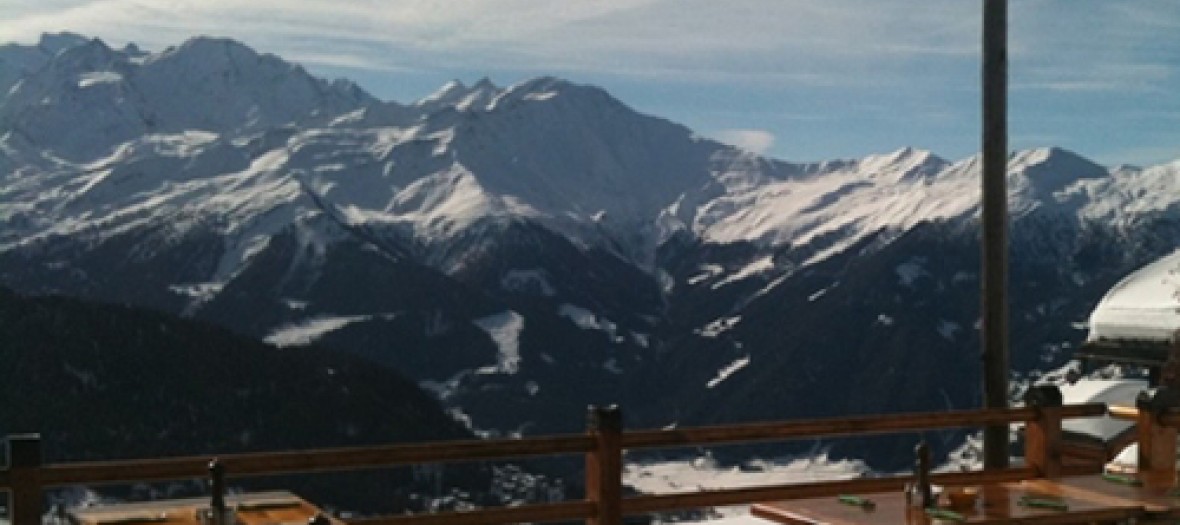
x=1144, y=306
x=1110, y=391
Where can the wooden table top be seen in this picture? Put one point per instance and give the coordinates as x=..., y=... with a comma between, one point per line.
x=265, y=508
x=1089, y=498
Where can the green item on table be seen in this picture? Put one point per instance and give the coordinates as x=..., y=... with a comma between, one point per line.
x=1044, y=503
x=1125, y=480
x=944, y=514
x=857, y=501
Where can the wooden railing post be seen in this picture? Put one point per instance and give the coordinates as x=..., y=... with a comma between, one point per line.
x=604, y=465
x=1157, y=441
x=217, y=508
x=24, y=472
x=1042, y=436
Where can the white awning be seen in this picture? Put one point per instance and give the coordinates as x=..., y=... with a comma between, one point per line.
x=1109, y=391
x=1144, y=306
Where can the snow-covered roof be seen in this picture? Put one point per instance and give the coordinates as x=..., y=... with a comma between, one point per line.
x=1144, y=306
x=1111, y=391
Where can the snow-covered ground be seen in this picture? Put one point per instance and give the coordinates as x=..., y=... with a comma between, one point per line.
x=703, y=473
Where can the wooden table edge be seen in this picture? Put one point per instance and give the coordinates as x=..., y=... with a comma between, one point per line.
x=769, y=511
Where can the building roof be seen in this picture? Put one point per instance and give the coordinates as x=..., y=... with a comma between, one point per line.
x=1143, y=307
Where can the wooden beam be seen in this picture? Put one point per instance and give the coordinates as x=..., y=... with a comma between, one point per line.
x=357, y=458
x=1043, y=445
x=845, y=426
x=994, y=220
x=1157, y=441
x=318, y=460
x=604, y=465
x=26, y=497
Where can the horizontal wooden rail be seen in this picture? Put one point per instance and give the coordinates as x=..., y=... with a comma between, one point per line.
x=719, y=498
x=815, y=428
x=1125, y=413
x=546, y=512
x=319, y=460
x=602, y=445
x=1169, y=417
x=356, y=458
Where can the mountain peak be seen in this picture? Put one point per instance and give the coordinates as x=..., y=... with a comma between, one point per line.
x=903, y=164
x=1056, y=159
x=546, y=84
x=484, y=83
x=547, y=88
x=455, y=94
x=453, y=89
x=212, y=43
x=1050, y=169
x=209, y=84
x=90, y=55
x=54, y=43
x=208, y=52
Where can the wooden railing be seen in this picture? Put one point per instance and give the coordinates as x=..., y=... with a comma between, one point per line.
x=602, y=445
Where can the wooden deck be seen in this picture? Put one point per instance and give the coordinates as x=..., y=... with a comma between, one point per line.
x=264, y=508
x=1082, y=499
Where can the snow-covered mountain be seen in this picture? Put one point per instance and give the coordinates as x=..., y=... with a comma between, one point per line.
x=525, y=250
x=206, y=84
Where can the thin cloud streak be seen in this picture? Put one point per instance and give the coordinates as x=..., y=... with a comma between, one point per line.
x=757, y=141
x=584, y=35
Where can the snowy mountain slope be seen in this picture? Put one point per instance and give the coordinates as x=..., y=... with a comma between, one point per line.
x=18, y=61
x=530, y=249
x=897, y=191
x=456, y=95
x=226, y=88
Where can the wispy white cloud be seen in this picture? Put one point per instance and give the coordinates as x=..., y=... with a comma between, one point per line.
x=793, y=39
x=344, y=60
x=757, y=141
x=796, y=41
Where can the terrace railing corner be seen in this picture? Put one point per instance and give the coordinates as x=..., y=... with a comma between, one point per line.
x=603, y=443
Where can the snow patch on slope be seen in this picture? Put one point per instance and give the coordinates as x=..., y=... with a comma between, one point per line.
x=309, y=330
x=504, y=328
x=717, y=327
x=729, y=370
x=759, y=266
x=94, y=78
x=948, y=329
x=587, y=320
x=910, y=271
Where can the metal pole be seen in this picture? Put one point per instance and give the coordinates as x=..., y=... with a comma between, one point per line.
x=994, y=282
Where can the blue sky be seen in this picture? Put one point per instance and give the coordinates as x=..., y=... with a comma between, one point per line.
x=796, y=79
